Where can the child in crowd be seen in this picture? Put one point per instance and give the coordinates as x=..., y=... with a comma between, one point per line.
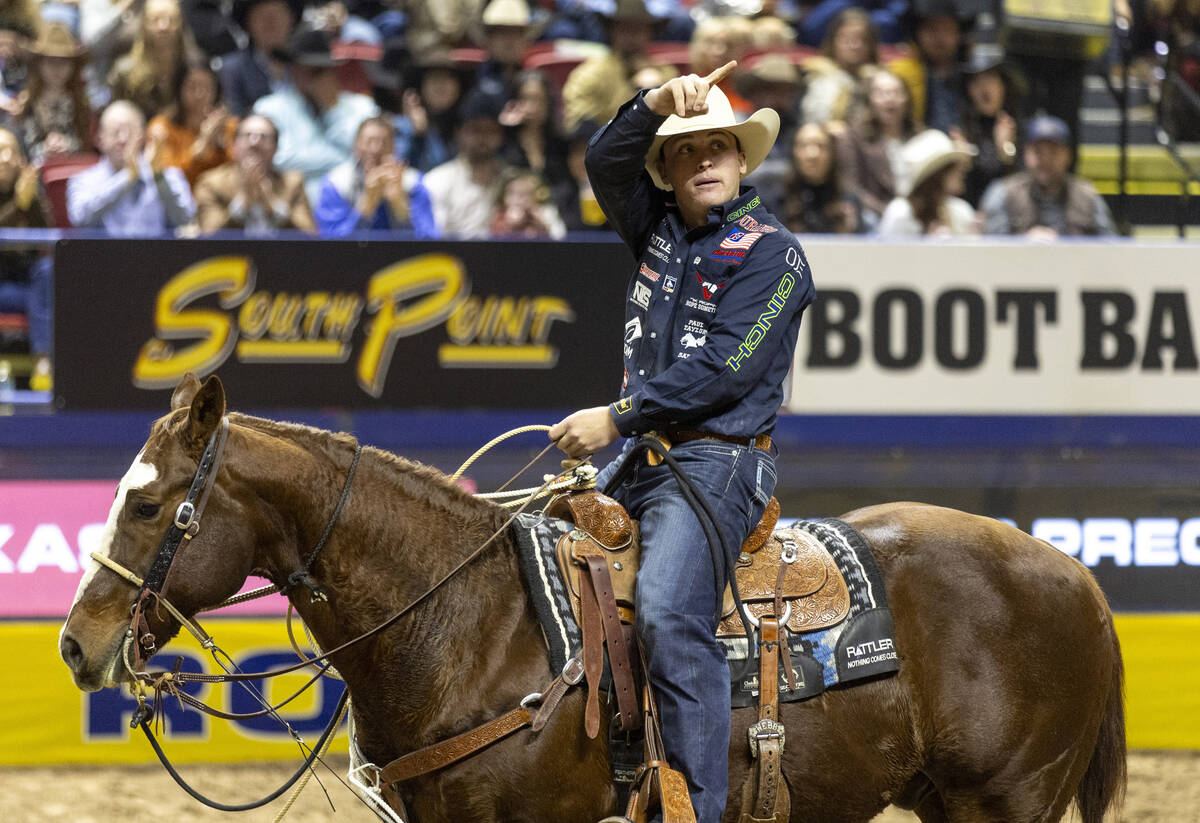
x=524, y=209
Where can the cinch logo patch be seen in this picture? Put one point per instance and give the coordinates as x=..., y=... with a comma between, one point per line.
x=649, y=273
x=708, y=288
x=763, y=324
x=744, y=210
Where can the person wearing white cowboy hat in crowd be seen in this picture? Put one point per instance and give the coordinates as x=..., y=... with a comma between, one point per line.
x=702, y=372
x=937, y=168
x=508, y=28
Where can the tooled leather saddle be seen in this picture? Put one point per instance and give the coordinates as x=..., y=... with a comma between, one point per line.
x=787, y=582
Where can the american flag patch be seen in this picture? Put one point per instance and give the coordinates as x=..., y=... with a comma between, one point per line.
x=740, y=240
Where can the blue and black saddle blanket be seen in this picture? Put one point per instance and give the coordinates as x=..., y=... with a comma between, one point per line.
x=859, y=647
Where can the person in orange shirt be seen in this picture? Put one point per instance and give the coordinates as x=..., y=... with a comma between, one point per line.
x=195, y=132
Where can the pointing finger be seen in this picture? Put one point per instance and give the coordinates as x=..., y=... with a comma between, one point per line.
x=720, y=74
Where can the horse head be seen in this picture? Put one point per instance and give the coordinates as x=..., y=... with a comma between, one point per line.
x=211, y=563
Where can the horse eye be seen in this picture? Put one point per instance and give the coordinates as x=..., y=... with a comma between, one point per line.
x=147, y=511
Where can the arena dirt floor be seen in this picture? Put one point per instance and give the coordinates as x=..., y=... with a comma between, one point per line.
x=1164, y=787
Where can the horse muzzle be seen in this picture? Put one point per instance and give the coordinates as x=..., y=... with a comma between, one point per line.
x=92, y=672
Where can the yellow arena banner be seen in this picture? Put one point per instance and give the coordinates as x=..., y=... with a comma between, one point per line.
x=45, y=720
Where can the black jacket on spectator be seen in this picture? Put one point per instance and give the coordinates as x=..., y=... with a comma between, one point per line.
x=243, y=80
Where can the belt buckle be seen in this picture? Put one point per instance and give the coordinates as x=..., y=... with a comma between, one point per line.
x=765, y=729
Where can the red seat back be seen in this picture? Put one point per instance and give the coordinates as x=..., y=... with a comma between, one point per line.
x=56, y=171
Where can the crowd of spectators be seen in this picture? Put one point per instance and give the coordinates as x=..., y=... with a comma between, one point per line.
x=470, y=118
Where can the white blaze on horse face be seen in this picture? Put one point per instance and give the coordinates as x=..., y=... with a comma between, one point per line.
x=140, y=475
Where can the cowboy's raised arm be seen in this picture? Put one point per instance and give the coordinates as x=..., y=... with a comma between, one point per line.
x=616, y=156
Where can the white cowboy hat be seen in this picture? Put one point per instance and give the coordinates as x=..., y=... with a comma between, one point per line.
x=928, y=153
x=755, y=135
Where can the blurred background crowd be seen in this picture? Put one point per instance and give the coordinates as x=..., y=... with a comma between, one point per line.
x=470, y=118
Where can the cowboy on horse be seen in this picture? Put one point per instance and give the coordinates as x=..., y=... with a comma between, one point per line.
x=712, y=319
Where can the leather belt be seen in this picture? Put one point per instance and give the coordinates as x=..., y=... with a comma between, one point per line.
x=676, y=436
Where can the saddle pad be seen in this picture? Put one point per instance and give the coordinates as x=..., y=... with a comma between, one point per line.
x=860, y=646
x=536, y=536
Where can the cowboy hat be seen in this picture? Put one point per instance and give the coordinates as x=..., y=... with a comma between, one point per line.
x=514, y=13
x=55, y=40
x=755, y=135
x=928, y=153
x=770, y=69
x=310, y=47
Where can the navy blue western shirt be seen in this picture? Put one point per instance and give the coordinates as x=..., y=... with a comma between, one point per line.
x=712, y=314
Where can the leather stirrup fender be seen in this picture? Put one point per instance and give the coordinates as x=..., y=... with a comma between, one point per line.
x=765, y=797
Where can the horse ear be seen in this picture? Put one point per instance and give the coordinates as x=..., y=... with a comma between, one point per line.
x=208, y=407
x=185, y=391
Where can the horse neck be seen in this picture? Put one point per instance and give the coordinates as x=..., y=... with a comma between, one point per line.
x=402, y=529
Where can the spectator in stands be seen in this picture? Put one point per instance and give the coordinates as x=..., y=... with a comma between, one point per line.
x=256, y=70
x=440, y=25
x=371, y=191
x=22, y=203
x=14, y=71
x=25, y=277
x=53, y=111
x=837, y=79
x=814, y=201
x=770, y=33
x=931, y=72
x=249, y=192
x=145, y=76
x=937, y=170
x=108, y=29
x=507, y=31
x=465, y=190
x=429, y=96
x=524, y=209
x=196, y=132
x=315, y=119
x=715, y=42
x=774, y=82
x=1045, y=201
x=869, y=152
x=130, y=191
x=573, y=196
x=533, y=135
x=597, y=87
x=884, y=16
x=990, y=119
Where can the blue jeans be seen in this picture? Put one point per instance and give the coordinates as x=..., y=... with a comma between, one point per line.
x=677, y=600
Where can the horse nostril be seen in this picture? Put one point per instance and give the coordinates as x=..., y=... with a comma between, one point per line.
x=72, y=654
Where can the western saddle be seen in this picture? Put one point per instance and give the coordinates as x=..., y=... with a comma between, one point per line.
x=787, y=582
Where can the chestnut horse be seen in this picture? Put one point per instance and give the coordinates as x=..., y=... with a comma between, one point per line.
x=1007, y=705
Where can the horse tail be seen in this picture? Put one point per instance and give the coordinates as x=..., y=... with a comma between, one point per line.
x=1103, y=783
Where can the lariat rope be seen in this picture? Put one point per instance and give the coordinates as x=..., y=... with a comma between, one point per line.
x=486, y=447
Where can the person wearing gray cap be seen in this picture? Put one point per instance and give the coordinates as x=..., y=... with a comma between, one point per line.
x=1045, y=201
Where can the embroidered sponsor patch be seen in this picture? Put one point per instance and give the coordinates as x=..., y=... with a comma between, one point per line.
x=624, y=405
x=649, y=273
x=669, y=284
x=641, y=295
x=701, y=305
x=633, y=331
x=750, y=224
x=707, y=287
x=759, y=330
x=691, y=341
x=744, y=210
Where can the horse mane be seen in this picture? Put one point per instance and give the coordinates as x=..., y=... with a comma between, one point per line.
x=413, y=479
